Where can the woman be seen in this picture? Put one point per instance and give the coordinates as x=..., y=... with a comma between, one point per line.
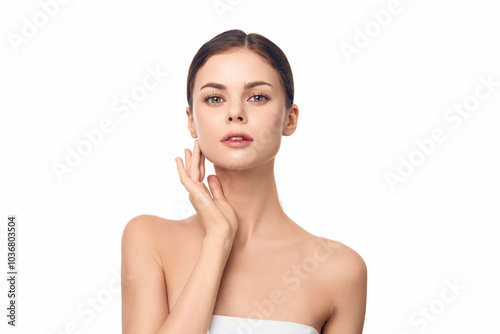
x=240, y=264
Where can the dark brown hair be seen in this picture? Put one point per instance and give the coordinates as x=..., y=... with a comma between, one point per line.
x=257, y=43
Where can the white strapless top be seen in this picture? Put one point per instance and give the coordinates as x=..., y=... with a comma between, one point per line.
x=222, y=324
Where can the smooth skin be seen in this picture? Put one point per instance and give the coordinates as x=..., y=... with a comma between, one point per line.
x=240, y=255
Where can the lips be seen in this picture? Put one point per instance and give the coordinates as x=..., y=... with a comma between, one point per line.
x=236, y=133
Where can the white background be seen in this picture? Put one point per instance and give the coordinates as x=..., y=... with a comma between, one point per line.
x=356, y=118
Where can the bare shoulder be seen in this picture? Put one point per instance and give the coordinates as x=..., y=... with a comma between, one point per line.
x=342, y=268
x=155, y=227
x=144, y=288
x=144, y=228
x=342, y=257
x=160, y=235
x=335, y=261
x=146, y=222
x=150, y=232
x=344, y=279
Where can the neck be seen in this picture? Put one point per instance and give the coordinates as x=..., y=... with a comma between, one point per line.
x=253, y=195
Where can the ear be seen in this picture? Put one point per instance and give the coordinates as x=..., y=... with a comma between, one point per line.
x=191, y=126
x=291, y=119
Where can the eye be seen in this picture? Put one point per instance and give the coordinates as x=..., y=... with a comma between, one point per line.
x=259, y=98
x=214, y=99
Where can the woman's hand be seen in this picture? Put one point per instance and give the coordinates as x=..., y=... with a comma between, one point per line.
x=216, y=215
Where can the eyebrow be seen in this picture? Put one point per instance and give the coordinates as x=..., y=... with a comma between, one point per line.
x=248, y=85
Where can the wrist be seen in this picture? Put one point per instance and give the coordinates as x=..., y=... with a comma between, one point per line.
x=224, y=241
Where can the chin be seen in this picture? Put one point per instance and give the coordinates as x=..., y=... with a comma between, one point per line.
x=240, y=164
x=233, y=164
x=238, y=159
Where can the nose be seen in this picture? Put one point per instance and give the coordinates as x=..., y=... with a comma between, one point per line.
x=236, y=112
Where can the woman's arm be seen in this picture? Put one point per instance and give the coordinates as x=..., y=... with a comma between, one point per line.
x=145, y=308
x=144, y=301
x=348, y=298
x=144, y=295
x=194, y=308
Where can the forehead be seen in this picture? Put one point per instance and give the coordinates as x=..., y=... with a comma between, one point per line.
x=236, y=67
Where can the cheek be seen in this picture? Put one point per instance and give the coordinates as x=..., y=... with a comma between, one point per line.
x=203, y=125
x=270, y=129
x=206, y=128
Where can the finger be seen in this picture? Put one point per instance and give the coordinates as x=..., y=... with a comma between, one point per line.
x=201, y=200
x=187, y=182
x=195, y=162
x=187, y=154
x=215, y=187
x=180, y=169
x=202, y=167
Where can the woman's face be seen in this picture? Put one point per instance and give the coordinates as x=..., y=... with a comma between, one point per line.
x=225, y=104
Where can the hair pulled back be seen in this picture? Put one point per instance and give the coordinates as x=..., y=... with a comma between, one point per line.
x=236, y=38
